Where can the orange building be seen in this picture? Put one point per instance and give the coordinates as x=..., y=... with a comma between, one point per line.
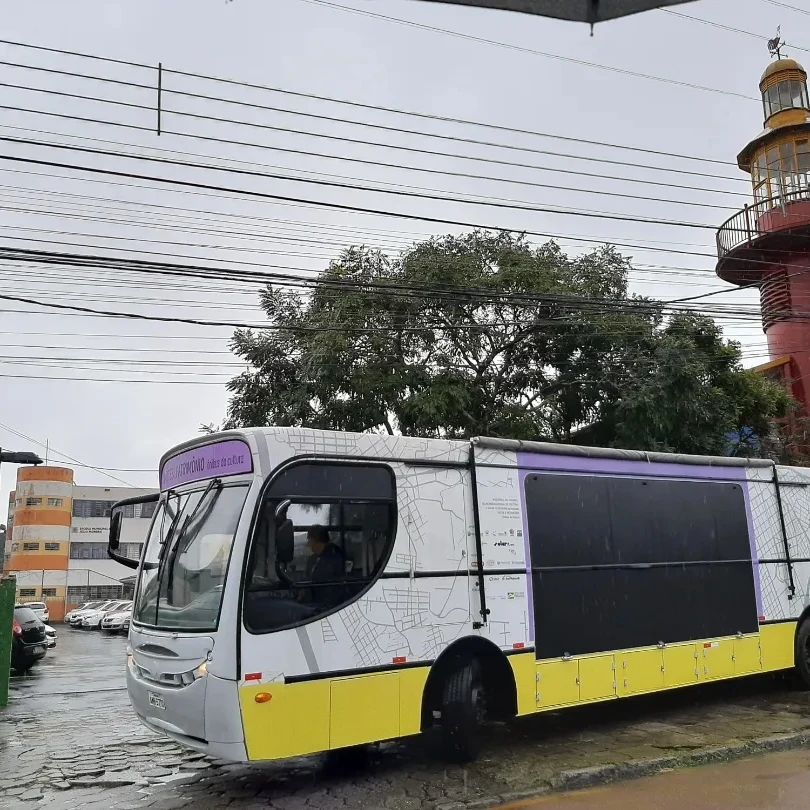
x=57, y=539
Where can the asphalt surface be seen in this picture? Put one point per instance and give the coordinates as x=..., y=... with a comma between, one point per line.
x=69, y=739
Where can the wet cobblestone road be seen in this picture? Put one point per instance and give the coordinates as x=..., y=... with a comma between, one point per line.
x=69, y=740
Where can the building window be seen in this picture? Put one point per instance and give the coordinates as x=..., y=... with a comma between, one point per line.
x=88, y=551
x=30, y=546
x=148, y=509
x=78, y=594
x=33, y=501
x=786, y=95
x=48, y=592
x=91, y=509
x=55, y=501
x=782, y=169
x=52, y=546
x=131, y=550
x=27, y=592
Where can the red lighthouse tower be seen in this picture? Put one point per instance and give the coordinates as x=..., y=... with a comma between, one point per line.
x=767, y=244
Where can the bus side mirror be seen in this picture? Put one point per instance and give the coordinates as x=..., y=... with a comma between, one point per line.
x=116, y=520
x=117, y=523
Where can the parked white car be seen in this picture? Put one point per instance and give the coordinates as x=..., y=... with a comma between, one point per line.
x=50, y=636
x=92, y=619
x=86, y=606
x=40, y=610
x=117, y=622
x=76, y=616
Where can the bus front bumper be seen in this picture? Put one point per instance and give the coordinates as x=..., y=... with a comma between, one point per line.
x=204, y=716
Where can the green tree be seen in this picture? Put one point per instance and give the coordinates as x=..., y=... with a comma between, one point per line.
x=691, y=393
x=483, y=334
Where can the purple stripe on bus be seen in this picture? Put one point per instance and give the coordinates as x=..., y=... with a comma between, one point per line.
x=231, y=457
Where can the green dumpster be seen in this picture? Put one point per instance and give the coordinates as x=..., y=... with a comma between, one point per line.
x=8, y=590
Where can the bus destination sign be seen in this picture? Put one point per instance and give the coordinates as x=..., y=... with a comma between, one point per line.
x=231, y=457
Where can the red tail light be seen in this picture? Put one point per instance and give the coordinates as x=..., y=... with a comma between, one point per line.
x=17, y=628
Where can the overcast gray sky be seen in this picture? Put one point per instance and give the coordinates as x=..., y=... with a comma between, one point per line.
x=311, y=47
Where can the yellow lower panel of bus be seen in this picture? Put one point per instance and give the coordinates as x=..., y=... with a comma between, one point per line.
x=747, y=655
x=777, y=642
x=304, y=718
x=311, y=716
x=597, y=679
x=556, y=683
x=718, y=659
x=364, y=709
x=681, y=666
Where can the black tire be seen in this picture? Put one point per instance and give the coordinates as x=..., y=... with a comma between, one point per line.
x=803, y=654
x=463, y=712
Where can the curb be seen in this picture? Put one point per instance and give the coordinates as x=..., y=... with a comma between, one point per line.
x=595, y=775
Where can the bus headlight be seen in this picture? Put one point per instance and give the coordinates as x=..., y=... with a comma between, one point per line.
x=201, y=671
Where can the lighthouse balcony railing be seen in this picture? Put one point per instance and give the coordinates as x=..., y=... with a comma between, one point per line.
x=763, y=217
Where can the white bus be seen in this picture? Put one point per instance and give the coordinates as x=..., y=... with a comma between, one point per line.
x=306, y=590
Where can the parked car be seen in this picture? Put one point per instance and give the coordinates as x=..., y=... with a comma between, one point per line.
x=91, y=620
x=40, y=610
x=29, y=642
x=117, y=622
x=50, y=636
x=86, y=606
x=76, y=616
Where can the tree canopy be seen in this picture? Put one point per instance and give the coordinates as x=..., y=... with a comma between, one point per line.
x=484, y=334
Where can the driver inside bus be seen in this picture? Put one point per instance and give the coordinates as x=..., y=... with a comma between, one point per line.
x=326, y=568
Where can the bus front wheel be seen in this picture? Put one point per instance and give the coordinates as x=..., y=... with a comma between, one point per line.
x=803, y=653
x=463, y=712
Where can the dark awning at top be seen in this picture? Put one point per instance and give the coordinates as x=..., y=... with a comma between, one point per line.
x=590, y=11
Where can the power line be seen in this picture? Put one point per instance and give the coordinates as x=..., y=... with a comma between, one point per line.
x=532, y=51
x=52, y=449
x=788, y=6
x=338, y=206
x=600, y=304
x=372, y=143
x=724, y=27
x=422, y=170
x=408, y=237
x=109, y=380
x=378, y=107
x=314, y=206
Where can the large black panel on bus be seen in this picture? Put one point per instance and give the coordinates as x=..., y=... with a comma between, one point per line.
x=622, y=562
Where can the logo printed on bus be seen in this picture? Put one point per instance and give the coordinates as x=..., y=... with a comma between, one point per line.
x=230, y=457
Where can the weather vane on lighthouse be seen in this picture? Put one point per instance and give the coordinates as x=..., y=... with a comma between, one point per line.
x=776, y=44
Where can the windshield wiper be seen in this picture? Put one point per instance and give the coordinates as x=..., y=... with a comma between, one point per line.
x=164, y=541
x=215, y=484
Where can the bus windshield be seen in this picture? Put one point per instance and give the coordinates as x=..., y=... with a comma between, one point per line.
x=186, y=558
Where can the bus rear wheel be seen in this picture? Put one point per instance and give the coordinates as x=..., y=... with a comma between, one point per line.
x=803, y=653
x=463, y=712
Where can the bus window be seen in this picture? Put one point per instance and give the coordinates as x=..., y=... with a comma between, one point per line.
x=342, y=518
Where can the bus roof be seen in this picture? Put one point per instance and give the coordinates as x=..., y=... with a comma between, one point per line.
x=550, y=448
x=336, y=443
